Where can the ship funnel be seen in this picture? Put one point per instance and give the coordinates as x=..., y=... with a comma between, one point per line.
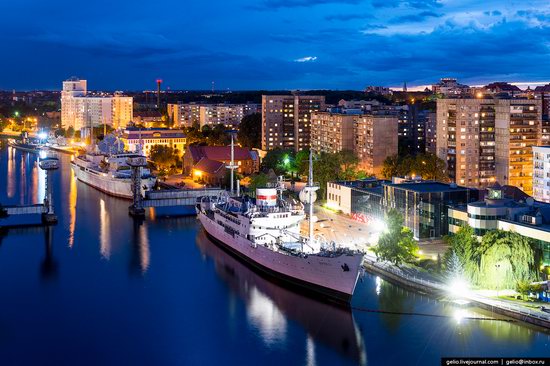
x=266, y=196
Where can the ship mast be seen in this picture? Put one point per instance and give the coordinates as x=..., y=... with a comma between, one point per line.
x=232, y=165
x=310, y=195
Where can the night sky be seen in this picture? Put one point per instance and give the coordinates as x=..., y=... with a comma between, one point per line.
x=271, y=44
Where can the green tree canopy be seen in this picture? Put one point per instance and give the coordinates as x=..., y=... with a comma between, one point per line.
x=250, y=131
x=397, y=244
x=427, y=165
x=163, y=156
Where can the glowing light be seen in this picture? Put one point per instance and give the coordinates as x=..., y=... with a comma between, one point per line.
x=479, y=95
x=286, y=160
x=197, y=173
x=380, y=226
x=459, y=287
x=42, y=135
x=378, y=282
x=459, y=315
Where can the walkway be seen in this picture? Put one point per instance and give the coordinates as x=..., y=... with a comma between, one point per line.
x=415, y=276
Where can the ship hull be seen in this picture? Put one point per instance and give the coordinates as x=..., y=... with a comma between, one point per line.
x=322, y=277
x=24, y=147
x=121, y=188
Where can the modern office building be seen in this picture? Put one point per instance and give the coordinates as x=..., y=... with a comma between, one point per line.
x=484, y=140
x=375, y=139
x=148, y=137
x=526, y=217
x=286, y=120
x=79, y=108
x=423, y=204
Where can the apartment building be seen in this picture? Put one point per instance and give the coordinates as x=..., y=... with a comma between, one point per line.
x=184, y=114
x=375, y=139
x=332, y=132
x=484, y=140
x=79, y=108
x=286, y=120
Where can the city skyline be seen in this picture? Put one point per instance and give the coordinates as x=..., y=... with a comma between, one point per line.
x=274, y=44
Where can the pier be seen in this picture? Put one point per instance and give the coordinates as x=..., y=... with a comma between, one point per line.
x=162, y=198
x=45, y=209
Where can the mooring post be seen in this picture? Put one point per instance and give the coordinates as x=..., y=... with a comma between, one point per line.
x=49, y=164
x=136, y=164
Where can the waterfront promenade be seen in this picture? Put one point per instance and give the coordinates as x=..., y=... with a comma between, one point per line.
x=418, y=280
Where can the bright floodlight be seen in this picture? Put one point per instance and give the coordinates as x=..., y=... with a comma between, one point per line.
x=458, y=287
x=380, y=225
x=286, y=160
x=42, y=135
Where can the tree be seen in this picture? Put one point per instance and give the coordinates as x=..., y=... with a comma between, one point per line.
x=60, y=132
x=279, y=160
x=429, y=167
x=163, y=156
x=464, y=244
x=348, y=164
x=505, y=258
x=455, y=268
x=250, y=131
x=397, y=166
x=397, y=244
x=258, y=180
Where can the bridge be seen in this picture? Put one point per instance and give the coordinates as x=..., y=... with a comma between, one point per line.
x=45, y=209
x=161, y=198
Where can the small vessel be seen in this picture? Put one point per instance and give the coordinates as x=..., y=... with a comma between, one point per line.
x=111, y=174
x=265, y=232
x=26, y=144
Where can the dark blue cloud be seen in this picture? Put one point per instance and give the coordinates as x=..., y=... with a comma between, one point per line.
x=347, y=17
x=418, y=17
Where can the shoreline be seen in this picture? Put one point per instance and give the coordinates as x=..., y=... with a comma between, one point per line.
x=432, y=288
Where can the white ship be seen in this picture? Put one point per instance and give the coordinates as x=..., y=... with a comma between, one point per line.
x=111, y=173
x=265, y=232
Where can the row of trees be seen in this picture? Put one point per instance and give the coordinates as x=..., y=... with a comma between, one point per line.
x=207, y=135
x=503, y=259
x=426, y=165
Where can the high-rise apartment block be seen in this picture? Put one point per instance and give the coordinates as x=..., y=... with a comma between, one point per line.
x=229, y=115
x=81, y=109
x=332, y=132
x=286, y=120
x=541, y=173
x=376, y=139
x=371, y=137
x=488, y=140
x=184, y=114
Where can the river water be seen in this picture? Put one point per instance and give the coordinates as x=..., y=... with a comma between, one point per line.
x=100, y=289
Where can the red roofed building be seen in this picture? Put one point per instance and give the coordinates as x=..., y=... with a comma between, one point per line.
x=207, y=163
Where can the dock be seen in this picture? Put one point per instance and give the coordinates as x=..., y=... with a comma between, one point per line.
x=45, y=209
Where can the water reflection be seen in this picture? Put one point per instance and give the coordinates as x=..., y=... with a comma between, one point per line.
x=141, y=255
x=393, y=299
x=270, y=307
x=104, y=231
x=72, y=207
x=11, y=173
x=48, y=268
x=22, y=179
